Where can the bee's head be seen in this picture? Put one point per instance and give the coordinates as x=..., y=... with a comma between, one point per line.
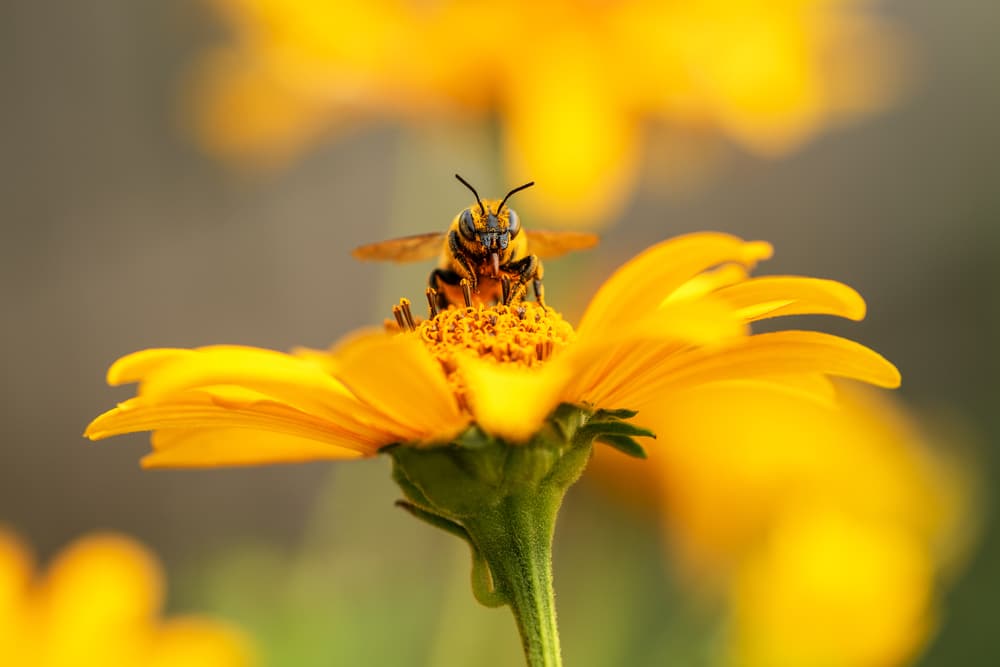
x=487, y=228
x=490, y=231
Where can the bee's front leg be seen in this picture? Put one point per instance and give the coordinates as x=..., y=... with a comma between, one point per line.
x=539, y=292
x=440, y=278
x=461, y=264
x=527, y=269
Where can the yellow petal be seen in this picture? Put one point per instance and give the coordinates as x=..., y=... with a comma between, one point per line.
x=793, y=295
x=400, y=378
x=134, y=367
x=212, y=447
x=322, y=359
x=510, y=401
x=785, y=353
x=328, y=359
x=205, y=409
x=709, y=281
x=251, y=367
x=611, y=365
x=703, y=322
x=283, y=378
x=198, y=642
x=646, y=281
x=814, y=386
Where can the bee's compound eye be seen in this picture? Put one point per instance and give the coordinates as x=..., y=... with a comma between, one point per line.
x=466, y=225
x=514, y=223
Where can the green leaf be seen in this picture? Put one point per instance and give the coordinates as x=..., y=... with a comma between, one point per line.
x=624, y=444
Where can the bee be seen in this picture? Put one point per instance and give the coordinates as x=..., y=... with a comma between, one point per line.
x=485, y=255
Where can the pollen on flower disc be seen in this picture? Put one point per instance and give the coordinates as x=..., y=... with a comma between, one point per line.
x=525, y=334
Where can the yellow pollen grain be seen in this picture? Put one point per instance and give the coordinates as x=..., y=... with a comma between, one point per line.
x=525, y=334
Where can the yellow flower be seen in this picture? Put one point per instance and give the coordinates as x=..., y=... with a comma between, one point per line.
x=489, y=412
x=831, y=589
x=97, y=604
x=827, y=525
x=671, y=320
x=724, y=482
x=573, y=84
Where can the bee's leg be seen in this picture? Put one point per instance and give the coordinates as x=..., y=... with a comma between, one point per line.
x=462, y=265
x=439, y=278
x=537, y=284
x=539, y=291
x=527, y=269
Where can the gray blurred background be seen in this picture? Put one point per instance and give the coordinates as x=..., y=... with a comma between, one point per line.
x=116, y=234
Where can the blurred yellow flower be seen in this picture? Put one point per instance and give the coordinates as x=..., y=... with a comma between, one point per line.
x=826, y=524
x=669, y=321
x=831, y=589
x=572, y=83
x=98, y=604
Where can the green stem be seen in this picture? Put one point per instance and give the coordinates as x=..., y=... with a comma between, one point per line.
x=515, y=538
x=503, y=500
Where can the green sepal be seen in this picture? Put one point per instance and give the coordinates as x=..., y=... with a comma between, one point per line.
x=451, y=481
x=596, y=429
x=623, y=444
x=432, y=519
x=483, y=586
x=607, y=415
x=482, y=580
x=409, y=489
x=567, y=419
x=473, y=438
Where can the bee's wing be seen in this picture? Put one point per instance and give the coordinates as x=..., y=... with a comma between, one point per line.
x=405, y=249
x=556, y=243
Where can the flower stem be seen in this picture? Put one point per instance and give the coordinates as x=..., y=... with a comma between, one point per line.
x=515, y=537
x=503, y=499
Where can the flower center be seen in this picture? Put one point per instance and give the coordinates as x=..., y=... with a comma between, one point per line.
x=526, y=334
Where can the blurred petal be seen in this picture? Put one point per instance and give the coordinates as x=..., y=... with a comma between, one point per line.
x=567, y=129
x=830, y=589
x=16, y=569
x=198, y=642
x=727, y=456
x=510, y=401
x=99, y=598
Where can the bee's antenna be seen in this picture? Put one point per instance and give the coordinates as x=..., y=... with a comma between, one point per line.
x=517, y=189
x=482, y=209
